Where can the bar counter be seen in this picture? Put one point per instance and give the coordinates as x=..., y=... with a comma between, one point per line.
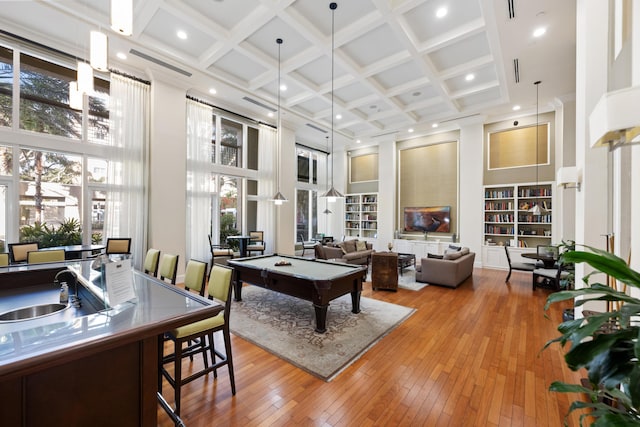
x=94, y=369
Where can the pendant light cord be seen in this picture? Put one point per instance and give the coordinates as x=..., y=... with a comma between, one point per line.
x=537, y=138
x=279, y=41
x=333, y=7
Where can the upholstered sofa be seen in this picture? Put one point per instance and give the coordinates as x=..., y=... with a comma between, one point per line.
x=451, y=270
x=350, y=252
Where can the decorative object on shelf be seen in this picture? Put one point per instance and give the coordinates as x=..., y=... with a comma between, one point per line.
x=569, y=177
x=278, y=199
x=537, y=209
x=332, y=194
x=390, y=246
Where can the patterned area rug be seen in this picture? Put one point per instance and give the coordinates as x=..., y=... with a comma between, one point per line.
x=284, y=326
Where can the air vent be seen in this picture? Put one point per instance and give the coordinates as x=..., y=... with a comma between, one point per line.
x=459, y=118
x=512, y=10
x=516, y=70
x=316, y=128
x=259, y=104
x=159, y=62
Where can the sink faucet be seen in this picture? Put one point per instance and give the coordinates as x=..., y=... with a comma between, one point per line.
x=70, y=278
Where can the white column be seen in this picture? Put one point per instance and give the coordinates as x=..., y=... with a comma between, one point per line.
x=471, y=225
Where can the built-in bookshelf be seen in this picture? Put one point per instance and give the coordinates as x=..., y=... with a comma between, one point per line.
x=361, y=215
x=507, y=220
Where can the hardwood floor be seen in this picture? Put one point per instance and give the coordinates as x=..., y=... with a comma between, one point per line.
x=469, y=356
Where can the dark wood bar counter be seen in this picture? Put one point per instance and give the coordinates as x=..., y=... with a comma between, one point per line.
x=97, y=369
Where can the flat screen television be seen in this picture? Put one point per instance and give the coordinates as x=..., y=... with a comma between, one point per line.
x=436, y=219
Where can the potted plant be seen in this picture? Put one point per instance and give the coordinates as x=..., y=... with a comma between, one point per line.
x=605, y=343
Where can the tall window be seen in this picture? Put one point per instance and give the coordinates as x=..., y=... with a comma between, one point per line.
x=48, y=189
x=6, y=86
x=307, y=192
x=231, y=143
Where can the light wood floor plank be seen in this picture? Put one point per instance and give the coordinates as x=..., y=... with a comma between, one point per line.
x=468, y=356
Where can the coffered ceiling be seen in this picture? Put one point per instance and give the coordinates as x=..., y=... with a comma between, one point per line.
x=397, y=66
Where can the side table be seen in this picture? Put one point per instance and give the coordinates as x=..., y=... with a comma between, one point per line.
x=384, y=270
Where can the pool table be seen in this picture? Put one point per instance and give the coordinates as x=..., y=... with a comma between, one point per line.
x=318, y=281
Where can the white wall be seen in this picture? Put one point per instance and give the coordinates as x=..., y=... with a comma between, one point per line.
x=167, y=170
x=471, y=202
x=387, y=193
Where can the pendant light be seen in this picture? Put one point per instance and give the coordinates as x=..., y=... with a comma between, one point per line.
x=122, y=16
x=332, y=194
x=85, y=78
x=98, y=51
x=326, y=174
x=537, y=209
x=75, y=96
x=278, y=199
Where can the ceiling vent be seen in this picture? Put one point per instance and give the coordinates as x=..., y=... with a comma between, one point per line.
x=511, y=8
x=159, y=62
x=259, y=104
x=316, y=128
x=516, y=70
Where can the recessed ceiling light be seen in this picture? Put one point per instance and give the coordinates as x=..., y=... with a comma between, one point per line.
x=470, y=77
x=435, y=125
x=410, y=130
x=338, y=116
x=358, y=141
x=121, y=55
x=539, y=32
x=516, y=107
x=270, y=114
x=441, y=12
x=181, y=34
x=283, y=87
x=212, y=91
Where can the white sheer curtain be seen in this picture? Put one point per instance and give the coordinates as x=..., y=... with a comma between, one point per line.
x=199, y=134
x=126, y=202
x=267, y=152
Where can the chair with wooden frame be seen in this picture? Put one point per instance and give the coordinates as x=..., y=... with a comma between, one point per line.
x=199, y=336
x=4, y=259
x=521, y=266
x=256, y=243
x=118, y=246
x=219, y=252
x=168, y=268
x=18, y=251
x=306, y=245
x=151, y=262
x=37, y=257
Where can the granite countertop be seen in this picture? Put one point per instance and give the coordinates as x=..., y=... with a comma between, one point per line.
x=158, y=307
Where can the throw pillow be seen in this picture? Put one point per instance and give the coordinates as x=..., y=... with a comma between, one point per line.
x=349, y=245
x=361, y=245
x=343, y=247
x=464, y=250
x=435, y=256
x=455, y=248
x=452, y=255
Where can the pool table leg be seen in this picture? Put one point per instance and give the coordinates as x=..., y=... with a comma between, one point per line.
x=355, y=302
x=321, y=318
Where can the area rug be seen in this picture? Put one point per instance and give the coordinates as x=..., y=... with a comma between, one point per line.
x=284, y=326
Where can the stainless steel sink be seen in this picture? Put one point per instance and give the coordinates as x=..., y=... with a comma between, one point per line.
x=31, y=312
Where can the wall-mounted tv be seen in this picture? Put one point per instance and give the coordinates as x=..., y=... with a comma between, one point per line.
x=429, y=219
